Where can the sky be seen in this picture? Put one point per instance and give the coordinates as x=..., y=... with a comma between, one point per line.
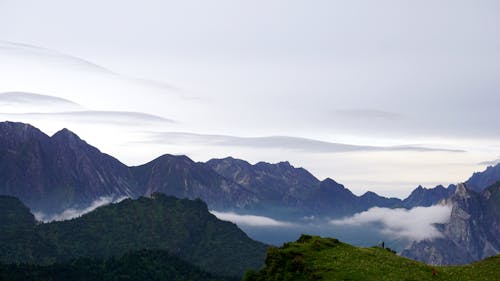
x=378, y=95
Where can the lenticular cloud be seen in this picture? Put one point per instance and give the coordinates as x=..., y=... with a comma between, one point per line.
x=415, y=224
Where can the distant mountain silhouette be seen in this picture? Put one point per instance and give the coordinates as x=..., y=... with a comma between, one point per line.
x=52, y=174
x=426, y=197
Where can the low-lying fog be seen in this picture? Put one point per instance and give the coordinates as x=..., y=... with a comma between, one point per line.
x=396, y=227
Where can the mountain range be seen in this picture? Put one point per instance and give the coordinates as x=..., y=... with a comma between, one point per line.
x=53, y=173
x=472, y=233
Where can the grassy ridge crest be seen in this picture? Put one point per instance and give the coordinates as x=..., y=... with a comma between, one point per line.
x=317, y=258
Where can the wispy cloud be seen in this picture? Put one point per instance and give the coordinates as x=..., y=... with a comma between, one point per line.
x=73, y=63
x=368, y=113
x=490, y=162
x=74, y=213
x=20, y=102
x=415, y=224
x=250, y=220
x=93, y=116
x=281, y=142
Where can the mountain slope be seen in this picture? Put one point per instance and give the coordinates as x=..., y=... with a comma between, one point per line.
x=315, y=258
x=472, y=233
x=289, y=192
x=183, y=227
x=182, y=177
x=481, y=180
x=51, y=174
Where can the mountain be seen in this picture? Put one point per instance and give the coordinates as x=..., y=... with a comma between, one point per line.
x=53, y=174
x=182, y=177
x=430, y=196
x=426, y=197
x=481, y=180
x=370, y=198
x=274, y=182
x=153, y=265
x=182, y=227
x=58, y=172
x=315, y=258
x=472, y=233
x=284, y=190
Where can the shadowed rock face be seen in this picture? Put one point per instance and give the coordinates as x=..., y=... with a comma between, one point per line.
x=481, y=180
x=54, y=173
x=472, y=233
x=182, y=177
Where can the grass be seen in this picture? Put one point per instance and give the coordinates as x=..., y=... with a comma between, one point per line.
x=316, y=258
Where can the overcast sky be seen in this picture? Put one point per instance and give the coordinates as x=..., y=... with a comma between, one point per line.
x=379, y=95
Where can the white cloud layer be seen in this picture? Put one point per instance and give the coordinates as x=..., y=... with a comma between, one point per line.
x=415, y=224
x=75, y=213
x=249, y=220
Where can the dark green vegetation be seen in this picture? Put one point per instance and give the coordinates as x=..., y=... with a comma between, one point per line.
x=316, y=258
x=182, y=227
x=140, y=265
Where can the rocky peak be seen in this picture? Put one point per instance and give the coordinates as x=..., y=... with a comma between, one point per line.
x=332, y=183
x=461, y=192
x=68, y=137
x=471, y=234
x=15, y=133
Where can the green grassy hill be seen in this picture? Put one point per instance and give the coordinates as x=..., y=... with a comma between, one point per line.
x=316, y=258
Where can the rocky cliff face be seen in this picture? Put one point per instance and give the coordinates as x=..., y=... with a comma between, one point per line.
x=58, y=172
x=472, y=233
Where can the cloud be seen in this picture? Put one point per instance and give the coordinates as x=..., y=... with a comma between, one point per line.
x=250, y=220
x=93, y=116
x=31, y=106
x=490, y=162
x=20, y=102
x=280, y=142
x=415, y=224
x=74, y=213
x=368, y=113
x=47, y=57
